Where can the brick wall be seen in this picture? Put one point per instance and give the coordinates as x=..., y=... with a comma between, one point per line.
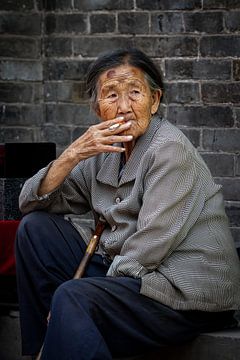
x=46, y=47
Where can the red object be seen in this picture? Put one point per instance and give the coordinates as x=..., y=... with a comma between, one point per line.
x=8, y=230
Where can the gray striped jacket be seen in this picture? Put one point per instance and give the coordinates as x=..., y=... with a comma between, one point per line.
x=166, y=219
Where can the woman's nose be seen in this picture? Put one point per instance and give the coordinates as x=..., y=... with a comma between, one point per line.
x=124, y=103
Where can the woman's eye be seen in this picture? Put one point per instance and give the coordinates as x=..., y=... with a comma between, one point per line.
x=111, y=96
x=135, y=92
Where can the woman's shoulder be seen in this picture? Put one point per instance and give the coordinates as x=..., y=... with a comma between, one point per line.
x=169, y=133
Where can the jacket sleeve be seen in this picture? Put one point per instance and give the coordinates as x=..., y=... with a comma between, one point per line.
x=172, y=201
x=70, y=197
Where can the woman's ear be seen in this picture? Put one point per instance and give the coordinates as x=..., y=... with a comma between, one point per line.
x=95, y=108
x=156, y=96
x=97, y=112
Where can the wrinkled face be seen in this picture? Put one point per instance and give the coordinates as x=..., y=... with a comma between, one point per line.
x=124, y=91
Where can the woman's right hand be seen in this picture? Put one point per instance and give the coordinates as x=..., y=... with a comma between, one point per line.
x=97, y=139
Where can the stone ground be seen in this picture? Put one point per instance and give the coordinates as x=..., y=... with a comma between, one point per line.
x=10, y=348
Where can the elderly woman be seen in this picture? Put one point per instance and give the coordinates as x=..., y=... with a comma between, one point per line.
x=166, y=268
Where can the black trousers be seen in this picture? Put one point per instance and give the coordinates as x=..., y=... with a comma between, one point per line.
x=96, y=317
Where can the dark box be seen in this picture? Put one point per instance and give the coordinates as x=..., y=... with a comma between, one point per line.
x=18, y=162
x=23, y=160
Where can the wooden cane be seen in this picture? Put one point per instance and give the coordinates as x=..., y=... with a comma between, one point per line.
x=92, y=245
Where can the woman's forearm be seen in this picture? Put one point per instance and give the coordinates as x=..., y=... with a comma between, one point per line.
x=57, y=173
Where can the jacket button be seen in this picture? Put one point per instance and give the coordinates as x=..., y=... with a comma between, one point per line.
x=114, y=227
x=117, y=200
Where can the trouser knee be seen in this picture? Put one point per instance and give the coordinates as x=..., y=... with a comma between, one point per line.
x=79, y=290
x=32, y=221
x=30, y=226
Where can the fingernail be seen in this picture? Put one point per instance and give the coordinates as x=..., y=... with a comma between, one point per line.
x=120, y=117
x=129, y=137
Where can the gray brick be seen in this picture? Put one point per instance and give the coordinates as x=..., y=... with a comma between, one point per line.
x=61, y=135
x=160, y=63
x=181, y=93
x=159, y=47
x=102, y=23
x=20, y=92
x=169, y=4
x=50, y=23
x=237, y=116
x=65, y=92
x=167, y=46
x=220, y=164
x=39, y=4
x=221, y=4
x=68, y=23
x=58, y=47
x=233, y=212
x=231, y=188
x=220, y=46
x=193, y=135
x=133, y=23
x=19, y=48
x=30, y=115
x=69, y=114
x=198, y=70
x=203, y=22
x=238, y=165
x=220, y=140
x=221, y=93
x=162, y=110
x=236, y=70
x=20, y=24
x=78, y=131
x=232, y=21
x=86, y=5
x=51, y=5
x=16, y=134
x=212, y=116
x=166, y=23
x=93, y=46
x=10, y=115
x=21, y=70
x=19, y=5
x=65, y=70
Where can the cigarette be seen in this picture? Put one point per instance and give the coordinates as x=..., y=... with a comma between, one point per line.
x=114, y=126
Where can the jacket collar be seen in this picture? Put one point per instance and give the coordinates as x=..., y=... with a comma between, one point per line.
x=108, y=174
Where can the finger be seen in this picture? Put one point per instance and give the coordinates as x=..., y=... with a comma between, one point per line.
x=117, y=128
x=107, y=123
x=114, y=126
x=117, y=139
x=110, y=148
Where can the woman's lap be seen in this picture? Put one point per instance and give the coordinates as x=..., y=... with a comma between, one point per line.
x=122, y=320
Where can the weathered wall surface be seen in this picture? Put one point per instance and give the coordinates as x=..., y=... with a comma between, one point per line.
x=46, y=47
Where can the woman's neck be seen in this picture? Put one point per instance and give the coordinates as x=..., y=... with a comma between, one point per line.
x=128, y=149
